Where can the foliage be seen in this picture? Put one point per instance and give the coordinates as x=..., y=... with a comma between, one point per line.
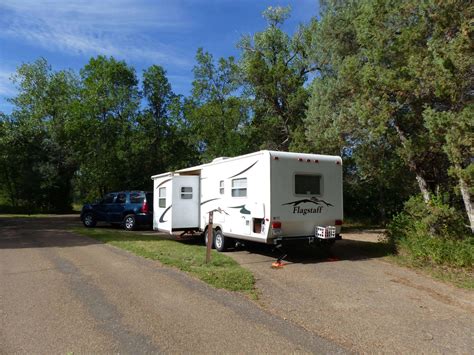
x=36, y=164
x=222, y=272
x=432, y=234
x=275, y=68
x=104, y=122
x=384, y=68
x=161, y=137
x=218, y=117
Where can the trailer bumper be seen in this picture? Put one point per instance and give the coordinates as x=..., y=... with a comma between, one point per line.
x=303, y=239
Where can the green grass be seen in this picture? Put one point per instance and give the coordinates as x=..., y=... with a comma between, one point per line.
x=222, y=272
x=22, y=215
x=460, y=277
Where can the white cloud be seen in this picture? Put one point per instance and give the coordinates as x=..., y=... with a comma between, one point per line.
x=121, y=28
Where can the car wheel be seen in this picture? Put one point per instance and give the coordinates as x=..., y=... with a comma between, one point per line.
x=89, y=220
x=221, y=242
x=129, y=222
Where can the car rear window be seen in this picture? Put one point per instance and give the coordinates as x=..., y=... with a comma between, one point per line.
x=137, y=197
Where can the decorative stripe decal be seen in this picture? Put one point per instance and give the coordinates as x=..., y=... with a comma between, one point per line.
x=163, y=182
x=163, y=215
x=212, y=199
x=243, y=171
x=243, y=210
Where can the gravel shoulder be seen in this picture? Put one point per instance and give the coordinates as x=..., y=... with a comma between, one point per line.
x=361, y=301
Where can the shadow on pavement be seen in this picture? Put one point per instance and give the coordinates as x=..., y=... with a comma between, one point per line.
x=346, y=249
x=54, y=232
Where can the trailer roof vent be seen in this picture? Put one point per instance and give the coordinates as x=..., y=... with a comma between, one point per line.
x=220, y=159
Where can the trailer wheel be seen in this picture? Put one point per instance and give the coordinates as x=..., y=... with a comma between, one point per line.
x=221, y=243
x=129, y=222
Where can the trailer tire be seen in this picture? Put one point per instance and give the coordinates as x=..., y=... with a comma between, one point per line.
x=129, y=222
x=221, y=242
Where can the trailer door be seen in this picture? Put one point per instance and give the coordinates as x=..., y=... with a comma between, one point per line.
x=186, y=199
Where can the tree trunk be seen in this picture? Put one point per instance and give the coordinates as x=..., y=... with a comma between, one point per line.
x=422, y=185
x=466, y=196
x=425, y=192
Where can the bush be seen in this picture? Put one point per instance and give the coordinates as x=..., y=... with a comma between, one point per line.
x=432, y=234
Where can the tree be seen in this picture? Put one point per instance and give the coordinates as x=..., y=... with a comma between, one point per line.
x=37, y=163
x=217, y=115
x=375, y=59
x=104, y=124
x=275, y=68
x=161, y=140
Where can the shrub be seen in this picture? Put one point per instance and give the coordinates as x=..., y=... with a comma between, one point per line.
x=432, y=233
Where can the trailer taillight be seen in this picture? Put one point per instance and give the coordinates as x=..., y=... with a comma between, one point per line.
x=144, y=208
x=338, y=222
x=276, y=225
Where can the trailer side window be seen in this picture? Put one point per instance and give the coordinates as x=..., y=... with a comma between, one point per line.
x=221, y=187
x=162, y=197
x=307, y=184
x=239, y=187
x=186, y=193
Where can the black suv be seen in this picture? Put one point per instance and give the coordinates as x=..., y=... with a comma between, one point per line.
x=127, y=208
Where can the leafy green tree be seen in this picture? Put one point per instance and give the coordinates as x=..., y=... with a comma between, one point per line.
x=161, y=140
x=377, y=79
x=37, y=163
x=217, y=115
x=275, y=68
x=103, y=126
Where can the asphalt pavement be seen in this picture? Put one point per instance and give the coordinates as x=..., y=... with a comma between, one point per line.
x=360, y=300
x=63, y=293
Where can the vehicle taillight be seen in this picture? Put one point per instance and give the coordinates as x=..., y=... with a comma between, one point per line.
x=338, y=222
x=276, y=225
x=144, y=208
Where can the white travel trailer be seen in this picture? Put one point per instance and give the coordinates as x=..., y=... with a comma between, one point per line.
x=267, y=197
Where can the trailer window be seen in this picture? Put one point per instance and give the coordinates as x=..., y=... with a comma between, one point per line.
x=221, y=187
x=239, y=187
x=307, y=184
x=162, y=197
x=186, y=193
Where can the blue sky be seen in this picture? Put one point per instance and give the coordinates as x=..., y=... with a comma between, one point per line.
x=141, y=32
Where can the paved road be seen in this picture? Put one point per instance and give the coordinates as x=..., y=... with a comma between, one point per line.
x=363, y=303
x=62, y=293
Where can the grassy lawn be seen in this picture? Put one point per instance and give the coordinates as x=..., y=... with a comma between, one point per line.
x=460, y=277
x=221, y=272
x=22, y=215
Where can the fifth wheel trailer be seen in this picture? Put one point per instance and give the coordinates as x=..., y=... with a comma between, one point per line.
x=267, y=196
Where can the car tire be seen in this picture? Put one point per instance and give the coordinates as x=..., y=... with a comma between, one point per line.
x=221, y=242
x=129, y=222
x=89, y=220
